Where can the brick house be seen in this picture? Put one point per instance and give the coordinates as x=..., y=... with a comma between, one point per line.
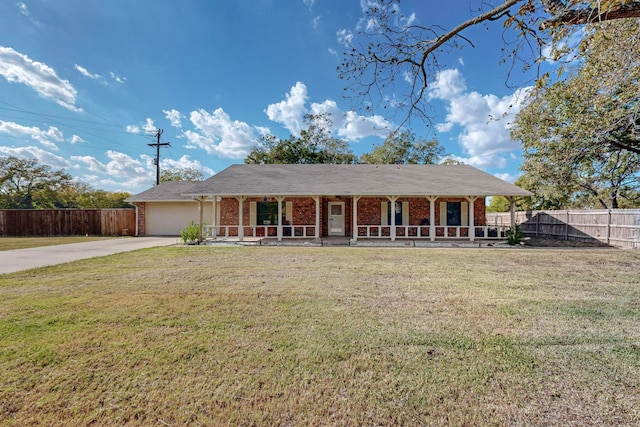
x=392, y=202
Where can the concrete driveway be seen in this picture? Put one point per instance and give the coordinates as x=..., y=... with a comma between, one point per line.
x=25, y=259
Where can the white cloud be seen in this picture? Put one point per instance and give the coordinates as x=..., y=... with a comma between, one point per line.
x=309, y=3
x=351, y=126
x=217, y=134
x=119, y=167
x=117, y=78
x=448, y=84
x=186, y=162
x=147, y=127
x=506, y=177
x=43, y=156
x=485, y=119
x=315, y=22
x=86, y=73
x=291, y=110
x=174, y=116
x=347, y=125
x=75, y=139
x=18, y=68
x=23, y=8
x=44, y=137
x=344, y=37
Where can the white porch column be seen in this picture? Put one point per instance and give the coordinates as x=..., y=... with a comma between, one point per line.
x=392, y=200
x=317, y=199
x=432, y=217
x=214, y=211
x=354, y=232
x=241, y=200
x=279, y=228
x=512, y=209
x=200, y=200
x=217, y=213
x=472, y=225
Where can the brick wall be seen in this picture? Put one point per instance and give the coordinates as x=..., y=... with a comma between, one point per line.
x=304, y=211
x=142, y=231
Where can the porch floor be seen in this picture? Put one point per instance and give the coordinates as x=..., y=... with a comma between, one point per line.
x=361, y=242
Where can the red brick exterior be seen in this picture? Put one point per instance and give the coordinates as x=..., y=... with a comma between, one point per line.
x=369, y=212
x=141, y=208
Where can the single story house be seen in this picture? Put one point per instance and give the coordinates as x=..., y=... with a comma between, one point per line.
x=318, y=200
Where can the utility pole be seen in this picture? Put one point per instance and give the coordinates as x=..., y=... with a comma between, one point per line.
x=156, y=161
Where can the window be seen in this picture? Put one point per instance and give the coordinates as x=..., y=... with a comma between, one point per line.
x=454, y=214
x=267, y=213
x=401, y=212
x=397, y=212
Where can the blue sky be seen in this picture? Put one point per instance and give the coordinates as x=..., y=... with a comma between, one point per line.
x=84, y=82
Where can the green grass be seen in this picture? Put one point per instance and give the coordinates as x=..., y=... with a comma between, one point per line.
x=324, y=336
x=9, y=243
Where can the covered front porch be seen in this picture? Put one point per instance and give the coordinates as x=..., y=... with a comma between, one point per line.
x=408, y=220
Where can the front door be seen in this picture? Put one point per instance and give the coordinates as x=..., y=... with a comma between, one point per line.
x=336, y=219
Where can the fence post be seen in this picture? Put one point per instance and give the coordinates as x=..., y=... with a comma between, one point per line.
x=538, y=224
x=566, y=227
x=608, y=226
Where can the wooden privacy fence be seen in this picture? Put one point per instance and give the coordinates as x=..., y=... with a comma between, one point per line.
x=67, y=222
x=615, y=227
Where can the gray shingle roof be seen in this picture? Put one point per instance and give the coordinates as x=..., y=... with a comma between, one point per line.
x=171, y=191
x=349, y=180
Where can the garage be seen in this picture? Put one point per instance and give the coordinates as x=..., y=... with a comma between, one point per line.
x=165, y=210
x=169, y=219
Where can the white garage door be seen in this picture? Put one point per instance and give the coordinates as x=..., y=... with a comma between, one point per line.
x=169, y=219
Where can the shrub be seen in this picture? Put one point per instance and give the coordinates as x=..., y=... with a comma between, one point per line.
x=191, y=234
x=514, y=235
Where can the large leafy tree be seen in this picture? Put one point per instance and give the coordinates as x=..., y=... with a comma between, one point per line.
x=80, y=195
x=403, y=148
x=581, y=135
x=181, y=174
x=315, y=144
x=25, y=184
x=393, y=52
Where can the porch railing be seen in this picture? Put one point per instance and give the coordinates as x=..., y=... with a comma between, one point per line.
x=423, y=231
x=288, y=231
x=364, y=231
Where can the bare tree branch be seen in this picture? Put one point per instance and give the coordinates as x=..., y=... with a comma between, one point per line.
x=564, y=15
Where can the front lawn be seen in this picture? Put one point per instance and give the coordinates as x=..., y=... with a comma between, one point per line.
x=9, y=243
x=324, y=336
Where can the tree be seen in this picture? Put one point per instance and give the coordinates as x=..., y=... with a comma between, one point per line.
x=580, y=135
x=80, y=195
x=402, y=148
x=25, y=184
x=315, y=144
x=181, y=174
x=392, y=49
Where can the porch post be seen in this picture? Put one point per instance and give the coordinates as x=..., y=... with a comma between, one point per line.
x=432, y=217
x=472, y=225
x=393, y=200
x=200, y=215
x=279, y=227
x=217, y=214
x=512, y=209
x=241, y=200
x=317, y=199
x=214, y=211
x=354, y=232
